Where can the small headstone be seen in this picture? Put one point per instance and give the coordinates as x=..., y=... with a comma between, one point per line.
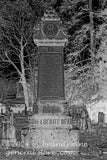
x=84, y=118
x=18, y=112
x=25, y=110
x=35, y=108
x=89, y=123
x=2, y=111
x=101, y=118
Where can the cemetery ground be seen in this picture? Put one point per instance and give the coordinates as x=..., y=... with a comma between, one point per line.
x=95, y=142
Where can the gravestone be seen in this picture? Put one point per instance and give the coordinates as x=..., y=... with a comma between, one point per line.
x=49, y=128
x=101, y=119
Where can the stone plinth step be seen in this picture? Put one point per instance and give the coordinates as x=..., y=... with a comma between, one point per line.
x=52, y=132
x=58, y=140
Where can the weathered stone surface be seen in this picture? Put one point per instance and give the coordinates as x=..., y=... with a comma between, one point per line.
x=50, y=106
x=101, y=118
x=46, y=121
x=54, y=139
x=52, y=132
x=50, y=76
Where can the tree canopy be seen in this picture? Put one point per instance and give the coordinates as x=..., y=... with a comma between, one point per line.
x=84, y=21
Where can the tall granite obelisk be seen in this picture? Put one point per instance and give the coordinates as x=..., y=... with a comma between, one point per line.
x=50, y=129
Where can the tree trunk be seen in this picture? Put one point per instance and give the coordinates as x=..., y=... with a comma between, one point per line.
x=25, y=91
x=91, y=27
x=23, y=78
x=92, y=47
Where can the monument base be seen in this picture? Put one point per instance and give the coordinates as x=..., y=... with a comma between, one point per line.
x=8, y=142
x=5, y=143
x=52, y=132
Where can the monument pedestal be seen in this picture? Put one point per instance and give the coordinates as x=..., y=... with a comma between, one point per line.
x=52, y=132
x=51, y=106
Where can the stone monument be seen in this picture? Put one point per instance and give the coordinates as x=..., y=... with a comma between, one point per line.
x=8, y=131
x=101, y=119
x=50, y=129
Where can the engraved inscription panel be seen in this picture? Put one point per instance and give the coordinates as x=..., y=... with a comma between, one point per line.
x=50, y=82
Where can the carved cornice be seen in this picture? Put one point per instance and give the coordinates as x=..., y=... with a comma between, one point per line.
x=49, y=31
x=48, y=42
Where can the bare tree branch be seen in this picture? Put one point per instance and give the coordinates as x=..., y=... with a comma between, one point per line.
x=4, y=60
x=9, y=60
x=77, y=53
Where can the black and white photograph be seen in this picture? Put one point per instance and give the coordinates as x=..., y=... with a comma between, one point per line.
x=53, y=79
